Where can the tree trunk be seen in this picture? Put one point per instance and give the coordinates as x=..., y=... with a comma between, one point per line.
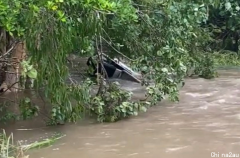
x=11, y=55
x=236, y=39
x=3, y=46
x=14, y=69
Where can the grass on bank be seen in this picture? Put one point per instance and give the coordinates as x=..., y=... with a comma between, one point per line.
x=10, y=149
x=226, y=58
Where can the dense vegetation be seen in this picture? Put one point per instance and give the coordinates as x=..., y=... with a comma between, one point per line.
x=163, y=39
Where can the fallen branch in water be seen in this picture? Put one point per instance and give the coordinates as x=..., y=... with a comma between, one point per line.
x=43, y=143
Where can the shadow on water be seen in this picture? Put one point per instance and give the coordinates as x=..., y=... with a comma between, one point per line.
x=206, y=120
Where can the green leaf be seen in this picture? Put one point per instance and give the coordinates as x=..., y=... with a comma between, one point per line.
x=123, y=110
x=144, y=68
x=228, y=5
x=32, y=73
x=125, y=104
x=27, y=100
x=148, y=103
x=164, y=70
x=54, y=110
x=143, y=108
x=136, y=105
x=135, y=113
x=237, y=8
x=160, y=53
x=30, y=67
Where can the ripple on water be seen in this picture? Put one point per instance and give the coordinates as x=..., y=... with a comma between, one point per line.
x=217, y=124
x=237, y=116
x=201, y=95
x=176, y=149
x=176, y=123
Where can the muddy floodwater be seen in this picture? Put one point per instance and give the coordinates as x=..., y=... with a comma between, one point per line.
x=204, y=124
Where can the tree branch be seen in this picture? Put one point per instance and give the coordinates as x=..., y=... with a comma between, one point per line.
x=9, y=88
x=9, y=50
x=116, y=49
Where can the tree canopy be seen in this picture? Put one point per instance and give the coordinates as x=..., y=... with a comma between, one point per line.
x=163, y=39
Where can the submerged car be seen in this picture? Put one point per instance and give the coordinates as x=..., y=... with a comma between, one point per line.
x=114, y=69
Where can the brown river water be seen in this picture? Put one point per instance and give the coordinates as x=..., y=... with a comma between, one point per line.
x=205, y=123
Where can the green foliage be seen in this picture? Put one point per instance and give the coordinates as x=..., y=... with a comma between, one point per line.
x=10, y=149
x=160, y=43
x=163, y=39
x=79, y=94
x=28, y=70
x=226, y=59
x=27, y=109
x=9, y=14
x=114, y=104
x=7, y=147
x=224, y=25
x=6, y=115
x=205, y=67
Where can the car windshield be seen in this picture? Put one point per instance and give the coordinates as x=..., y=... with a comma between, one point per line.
x=125, y=67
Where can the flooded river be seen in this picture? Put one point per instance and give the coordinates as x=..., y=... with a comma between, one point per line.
x=205, y=123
